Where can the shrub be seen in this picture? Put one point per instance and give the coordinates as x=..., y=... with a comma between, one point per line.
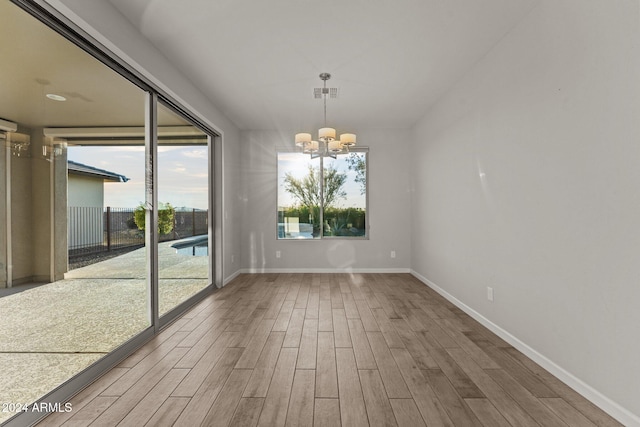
x=338, y=221
x=166, y=215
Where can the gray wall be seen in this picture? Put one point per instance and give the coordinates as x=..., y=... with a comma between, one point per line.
x=525, y=179
x=388, y=205
x=232, y=205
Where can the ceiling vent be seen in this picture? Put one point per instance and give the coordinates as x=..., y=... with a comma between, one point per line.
x=320, y=92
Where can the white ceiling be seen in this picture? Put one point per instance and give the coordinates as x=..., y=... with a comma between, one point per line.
x=36, y=61
x=258, y=61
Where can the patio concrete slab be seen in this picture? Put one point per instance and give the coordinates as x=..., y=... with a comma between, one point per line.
x=50, y=333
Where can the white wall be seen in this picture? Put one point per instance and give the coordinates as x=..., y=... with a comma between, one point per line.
x=388, y=209
x=526, y=180
x=104, y=23
x=85, y=226
x=84, y=191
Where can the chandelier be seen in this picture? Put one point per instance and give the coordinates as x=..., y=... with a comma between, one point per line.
x=327, y=145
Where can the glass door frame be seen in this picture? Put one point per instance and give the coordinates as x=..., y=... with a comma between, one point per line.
x=151, y=132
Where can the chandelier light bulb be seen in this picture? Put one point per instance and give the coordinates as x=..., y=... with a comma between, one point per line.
x=335, y=146
x=302, y=139
x=348, y=139
x=327, y=134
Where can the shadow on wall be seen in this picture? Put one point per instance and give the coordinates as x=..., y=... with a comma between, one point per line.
x=258, y=259
x=341, y=255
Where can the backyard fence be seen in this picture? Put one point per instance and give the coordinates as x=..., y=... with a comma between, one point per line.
x=95, y=229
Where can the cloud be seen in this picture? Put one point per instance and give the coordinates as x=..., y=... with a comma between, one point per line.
x=120, y=148
x=167, y=148
x=196, y=154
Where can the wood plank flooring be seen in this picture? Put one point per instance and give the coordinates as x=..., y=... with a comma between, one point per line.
x=328, y=350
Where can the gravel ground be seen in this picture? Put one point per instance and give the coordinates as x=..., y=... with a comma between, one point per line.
x=82, y=260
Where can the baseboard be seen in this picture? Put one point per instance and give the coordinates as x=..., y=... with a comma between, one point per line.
x=230, y=278
x=612, y=408
x=324, y=270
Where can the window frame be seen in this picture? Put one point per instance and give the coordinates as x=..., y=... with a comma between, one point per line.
x=366, y=236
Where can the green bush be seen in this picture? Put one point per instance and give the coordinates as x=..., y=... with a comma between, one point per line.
x=344, y=222
x=166, y=215
x=338, y=221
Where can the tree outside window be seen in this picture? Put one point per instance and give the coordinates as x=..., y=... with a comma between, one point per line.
x=322, y=197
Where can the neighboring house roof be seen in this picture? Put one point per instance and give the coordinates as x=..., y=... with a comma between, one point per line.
x=80, y=169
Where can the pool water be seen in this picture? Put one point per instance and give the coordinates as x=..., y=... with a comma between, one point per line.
x=192, y=246
x=195, y=250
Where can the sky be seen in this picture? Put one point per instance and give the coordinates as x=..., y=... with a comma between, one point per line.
x=182, y=173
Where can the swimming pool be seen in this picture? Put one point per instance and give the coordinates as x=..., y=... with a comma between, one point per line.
x=192, y=246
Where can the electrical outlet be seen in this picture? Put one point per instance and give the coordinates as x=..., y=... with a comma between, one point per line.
x=233, y=259
x=278, y=254
x=490, y=293
x=393, y=254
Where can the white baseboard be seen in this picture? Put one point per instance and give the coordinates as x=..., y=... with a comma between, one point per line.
x=325, y=270
x=618, y=412
x=230, y=278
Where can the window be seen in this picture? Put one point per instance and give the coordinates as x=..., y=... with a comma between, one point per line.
x=322, y=197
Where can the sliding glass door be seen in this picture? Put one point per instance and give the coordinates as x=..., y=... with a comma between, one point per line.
x=184, y=266
x=81, y=159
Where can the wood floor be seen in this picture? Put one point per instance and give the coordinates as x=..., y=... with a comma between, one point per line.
x=328, y=350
